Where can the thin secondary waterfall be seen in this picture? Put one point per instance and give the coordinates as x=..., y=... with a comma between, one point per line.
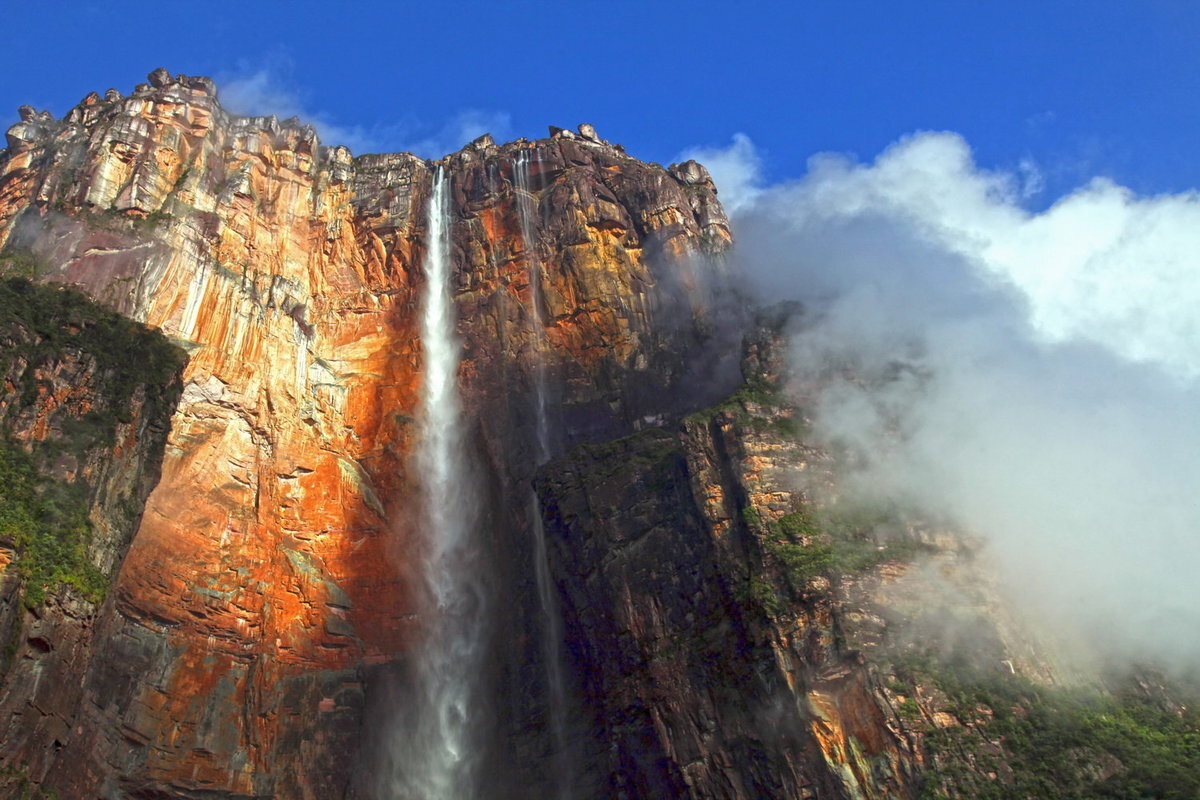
x=435, y=755
x=551, y=622
x=525, y=218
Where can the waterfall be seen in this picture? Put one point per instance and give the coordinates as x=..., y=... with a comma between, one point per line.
x=525, y=218
x=552, y=633
x=434, y=754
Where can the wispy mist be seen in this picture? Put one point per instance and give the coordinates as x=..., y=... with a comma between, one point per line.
x=1034, y=377
x=266, y=88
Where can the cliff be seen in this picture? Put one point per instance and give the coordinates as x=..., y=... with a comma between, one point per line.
x=263, y=595
x=209, y=561
x=86, y=403
x=708, y=631
x=743, y=626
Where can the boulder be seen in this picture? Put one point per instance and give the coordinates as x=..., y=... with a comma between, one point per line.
x=159, y=78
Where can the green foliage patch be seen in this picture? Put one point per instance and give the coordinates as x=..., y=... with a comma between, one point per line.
x=760, y=592
x=755, y=391
x=837, y=541
x=794, y=541
x=16, y=262
x=44, y=518
x=808, y=543
x=1065, y=744
x=47, y=522
x=19, y=786
x=39, y=322
x=111, y=219
x=653, y=453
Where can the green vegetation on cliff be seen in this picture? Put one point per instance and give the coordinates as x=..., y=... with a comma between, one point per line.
x=20, y=786
x=47, y=522
x=1012, y=739
x=1053, y=743
x=38, y=322
x=18, y=262
x=755, y=391
x=840, y=540
x=812, y=541
x=119, y=363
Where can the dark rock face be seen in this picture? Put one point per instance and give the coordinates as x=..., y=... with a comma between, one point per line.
x=739, y=630
x=697, y=682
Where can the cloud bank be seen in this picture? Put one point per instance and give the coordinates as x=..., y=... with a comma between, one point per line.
x=1033, y=377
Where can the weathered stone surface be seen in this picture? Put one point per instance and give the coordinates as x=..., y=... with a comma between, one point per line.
x=738, y=628
x=692, y=173
x=159, y=77
x=265, y=591
x=694, y=685
x=96, y=425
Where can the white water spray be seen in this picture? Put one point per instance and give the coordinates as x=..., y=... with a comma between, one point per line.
x=435, y=756
x=552, y=634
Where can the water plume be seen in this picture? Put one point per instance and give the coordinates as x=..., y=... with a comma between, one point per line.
x=436, y=752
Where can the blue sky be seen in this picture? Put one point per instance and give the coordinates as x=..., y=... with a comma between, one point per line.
x=1078, y=88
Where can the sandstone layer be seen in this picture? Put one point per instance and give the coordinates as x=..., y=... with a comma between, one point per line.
x=263, y=598
x=85, y=404
x=210, y=593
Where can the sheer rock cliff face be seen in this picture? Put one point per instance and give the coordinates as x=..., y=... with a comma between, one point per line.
x=740, y=626
x=237, y=621
x=261, y=605
x=85, y=405
x=705, y=671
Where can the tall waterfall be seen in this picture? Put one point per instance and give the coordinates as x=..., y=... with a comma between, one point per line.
x=435, y=755
x=552, y=633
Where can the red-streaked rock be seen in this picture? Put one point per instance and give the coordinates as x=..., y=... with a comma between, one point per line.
x=269, y=568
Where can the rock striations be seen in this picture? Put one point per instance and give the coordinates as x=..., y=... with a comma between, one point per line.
x=210, y=507
x=263, y=598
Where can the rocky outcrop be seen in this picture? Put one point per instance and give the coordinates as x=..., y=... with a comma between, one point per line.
x=262, y=600
x=741, y=625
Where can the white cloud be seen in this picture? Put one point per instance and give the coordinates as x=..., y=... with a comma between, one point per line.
x=266, y=89
x=736, y=169
x=459, y=130
x=1033, y=376
x=1101, y=264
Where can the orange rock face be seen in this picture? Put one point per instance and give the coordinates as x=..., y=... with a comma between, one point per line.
x=265, y=592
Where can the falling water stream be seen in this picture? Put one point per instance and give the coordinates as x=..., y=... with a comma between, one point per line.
x=435, y=756
x=551, y=622
x=525, y=218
